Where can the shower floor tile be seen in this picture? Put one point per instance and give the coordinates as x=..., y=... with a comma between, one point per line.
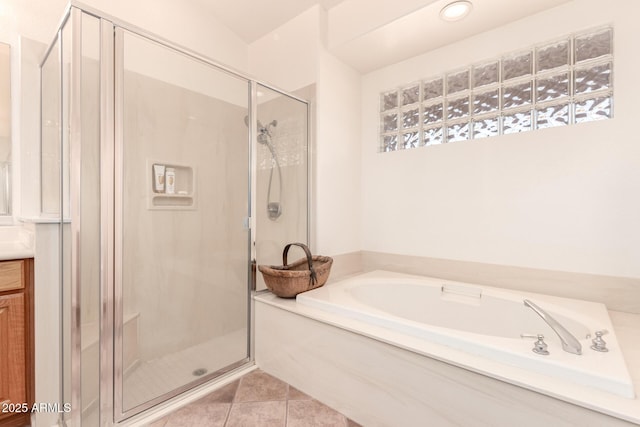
x=155, y=377
x=256, y=400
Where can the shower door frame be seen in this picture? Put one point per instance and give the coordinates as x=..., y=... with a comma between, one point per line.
x=110, y=134
x=110, y=116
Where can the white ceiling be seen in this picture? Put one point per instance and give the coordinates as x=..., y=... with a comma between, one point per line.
x=252, y=19
x=394, y=29
x=366, y=34
x=422, y=30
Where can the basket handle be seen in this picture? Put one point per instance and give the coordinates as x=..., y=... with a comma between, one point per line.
x=312, y=278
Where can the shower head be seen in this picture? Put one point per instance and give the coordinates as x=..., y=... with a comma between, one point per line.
x=264, y=135
x=266, y=130
x=261, y=128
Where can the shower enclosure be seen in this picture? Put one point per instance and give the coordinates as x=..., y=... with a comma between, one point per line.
x=168, y=189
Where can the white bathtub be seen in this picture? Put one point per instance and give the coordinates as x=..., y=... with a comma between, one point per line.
x=482, y=321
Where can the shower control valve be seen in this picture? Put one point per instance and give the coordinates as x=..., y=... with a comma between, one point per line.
x=539, y=347
x=598, y=344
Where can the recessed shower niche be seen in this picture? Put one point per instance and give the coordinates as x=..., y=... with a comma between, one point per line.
x=170, y=186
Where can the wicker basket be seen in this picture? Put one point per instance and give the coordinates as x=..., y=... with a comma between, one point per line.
x=288, y=280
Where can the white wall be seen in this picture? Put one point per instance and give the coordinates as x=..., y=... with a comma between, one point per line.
x=287, y=57
x=561, y=199
x=337, y=169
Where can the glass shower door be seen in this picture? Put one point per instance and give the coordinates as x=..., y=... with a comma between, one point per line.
x=181, y=237
x=282, y=176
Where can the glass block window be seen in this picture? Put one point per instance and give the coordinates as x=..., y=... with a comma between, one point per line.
x=515, y=122
x=457, y=82
x=388, y=101
x=592, y=109
x=433, y=135
x=594, y=44
x=432, y=113
x=516, y=95
x=458, y=107
x=553, y=56
x=485, y=74
x=552, y=115
x=484, y=128
x=390, y=122
x=389, y=142
x=410, y=118
x=592, y=78
x=557, y=83
x=552, y=87
x=410, y=139
x=411, y=95
x=486, y=102
x=458, y=131
x=517, y=65
x=432, y=89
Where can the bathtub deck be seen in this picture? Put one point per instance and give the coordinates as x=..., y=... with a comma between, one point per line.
x=626, y=327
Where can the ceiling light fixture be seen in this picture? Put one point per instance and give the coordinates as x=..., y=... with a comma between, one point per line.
x=456, y=10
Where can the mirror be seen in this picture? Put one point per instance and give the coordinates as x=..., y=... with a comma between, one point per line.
x=5, y=127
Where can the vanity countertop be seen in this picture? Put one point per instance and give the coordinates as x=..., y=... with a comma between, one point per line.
x=14, y=250
x=16, y=242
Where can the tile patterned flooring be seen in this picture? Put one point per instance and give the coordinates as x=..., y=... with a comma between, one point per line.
x=256, y=400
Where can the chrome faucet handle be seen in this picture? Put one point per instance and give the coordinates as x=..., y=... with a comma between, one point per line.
x=570, y=344
x=539, y=347
x=598, y=343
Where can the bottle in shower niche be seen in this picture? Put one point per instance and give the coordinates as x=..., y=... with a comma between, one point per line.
x=158, y=175
x=170, y=181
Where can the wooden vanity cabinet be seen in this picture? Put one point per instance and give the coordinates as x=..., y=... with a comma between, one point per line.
x=16, y=342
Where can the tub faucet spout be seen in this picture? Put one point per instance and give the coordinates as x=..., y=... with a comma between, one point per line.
x=569, y=342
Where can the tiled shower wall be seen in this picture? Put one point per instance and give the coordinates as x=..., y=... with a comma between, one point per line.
x=193, y=243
